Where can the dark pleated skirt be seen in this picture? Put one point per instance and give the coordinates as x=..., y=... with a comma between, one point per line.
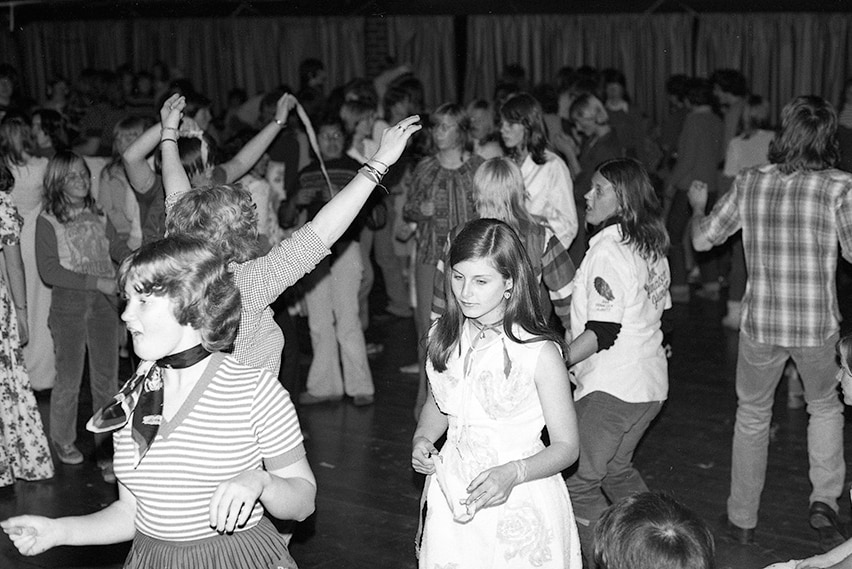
x=260, y=547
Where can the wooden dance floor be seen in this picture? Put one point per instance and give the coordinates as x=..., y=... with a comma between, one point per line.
x=368, y=495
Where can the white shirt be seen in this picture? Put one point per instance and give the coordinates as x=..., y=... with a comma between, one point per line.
x=615, y=284
x=550, y=195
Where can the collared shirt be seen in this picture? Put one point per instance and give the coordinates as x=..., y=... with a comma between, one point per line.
x=550, y=195
x=791, y=227
x=614, y=283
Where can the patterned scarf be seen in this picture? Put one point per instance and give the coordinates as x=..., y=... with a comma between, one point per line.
x=142, y=397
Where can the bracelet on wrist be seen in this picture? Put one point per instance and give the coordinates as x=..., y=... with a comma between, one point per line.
x=166, y=139
x=282, y=124
x=380, y=163
x=373, y=175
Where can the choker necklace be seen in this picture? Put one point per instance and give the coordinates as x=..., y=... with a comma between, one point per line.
x=184, y=359
x=483, y=328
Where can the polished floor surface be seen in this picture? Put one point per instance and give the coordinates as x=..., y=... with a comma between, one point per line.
x=368, y=496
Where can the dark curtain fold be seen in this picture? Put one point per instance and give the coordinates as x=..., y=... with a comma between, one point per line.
x=427, y=43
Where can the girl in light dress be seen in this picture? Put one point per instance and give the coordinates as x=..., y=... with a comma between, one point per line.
x=494, y=495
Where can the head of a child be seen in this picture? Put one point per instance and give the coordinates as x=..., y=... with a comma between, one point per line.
x=16, y=140
x=224, y=215
x=125, y=132
x=652, y=531
x=67, y=186
x=358, y=117
x=201, y=293
x=499, y=190
x=331, y=137
x=7, y=180
x=199, y=154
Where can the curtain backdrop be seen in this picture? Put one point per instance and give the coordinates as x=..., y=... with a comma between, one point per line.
x=782, y=55
x=646, y=48
x=256, y=54
x=428, y=44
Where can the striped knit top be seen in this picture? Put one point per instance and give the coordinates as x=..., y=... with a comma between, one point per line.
x=235, y=419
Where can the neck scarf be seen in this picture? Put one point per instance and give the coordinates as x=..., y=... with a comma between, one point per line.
x=142, y=397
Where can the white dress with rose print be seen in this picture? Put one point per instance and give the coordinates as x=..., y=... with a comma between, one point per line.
x=495, y=416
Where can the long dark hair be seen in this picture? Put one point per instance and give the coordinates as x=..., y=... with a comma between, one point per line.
x=524, y=109
x=808, y=137
x=639, y=210
x=496, y=242
x=55, y=178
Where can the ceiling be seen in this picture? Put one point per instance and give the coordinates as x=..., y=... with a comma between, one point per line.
x=29, y=10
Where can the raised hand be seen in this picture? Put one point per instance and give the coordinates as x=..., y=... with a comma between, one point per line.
x=394, y=139
x=171, y=111
x=285, y=104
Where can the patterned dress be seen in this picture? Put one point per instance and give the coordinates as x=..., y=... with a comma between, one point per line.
x=494, y=417
x=23, y=446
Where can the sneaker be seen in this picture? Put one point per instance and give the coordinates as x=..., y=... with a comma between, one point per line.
x=68, y=454
x=306, y=398
x=107, y=471
x=362, y=400
x=374, y=349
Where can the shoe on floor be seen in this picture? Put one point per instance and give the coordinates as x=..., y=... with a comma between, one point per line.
x=306, y=398
x=825, y=520
x=107, y=471
x=68, y=454
x=374, y=349
x=742, y=536
x=362, y=400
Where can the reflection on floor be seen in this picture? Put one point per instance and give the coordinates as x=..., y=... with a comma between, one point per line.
x=368, y=496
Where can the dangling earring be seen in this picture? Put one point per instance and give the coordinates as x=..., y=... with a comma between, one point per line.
x=507, y=294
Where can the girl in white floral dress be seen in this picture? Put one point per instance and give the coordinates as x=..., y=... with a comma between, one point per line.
x=494, y=496
x=23, y=446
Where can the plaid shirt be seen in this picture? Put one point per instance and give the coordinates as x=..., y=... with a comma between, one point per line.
x=550, y=262
x=791, y=227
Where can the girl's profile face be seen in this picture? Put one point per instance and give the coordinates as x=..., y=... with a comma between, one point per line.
x=478, y=289
x=601, y=201
x=513, y=134
x=77, y=183
x=151, y=321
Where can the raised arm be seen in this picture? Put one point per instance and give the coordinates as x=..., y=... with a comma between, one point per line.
x=236, y=167
x=333, y=219
x=175, y=180
x=135, y=160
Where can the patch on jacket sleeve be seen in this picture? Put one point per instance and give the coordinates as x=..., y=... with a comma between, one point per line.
x=603, y=289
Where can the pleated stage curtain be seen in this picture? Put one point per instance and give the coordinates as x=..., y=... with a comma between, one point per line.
x=215, y=54
x=783, y=55
x=646, y=48
x=428, y=44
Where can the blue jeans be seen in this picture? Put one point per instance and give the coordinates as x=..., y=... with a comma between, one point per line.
x=759, y=368
x=609, y=430
x=81, y=320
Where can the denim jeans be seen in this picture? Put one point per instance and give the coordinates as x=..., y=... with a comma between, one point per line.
x=81, y=320
x=759, y=369
x=609, y=431
x=336, y=335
